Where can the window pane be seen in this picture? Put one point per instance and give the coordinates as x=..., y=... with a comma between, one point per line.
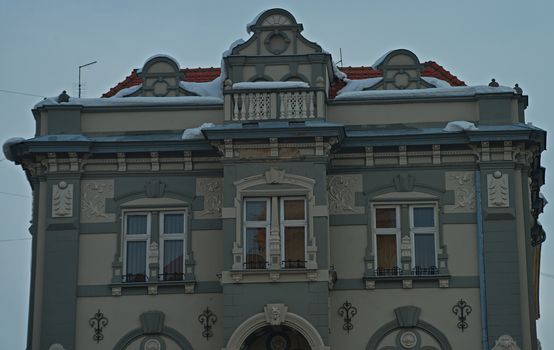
x=294, y=209
x=385, y=217
x=137, y=224
x=256, y=210
x=174, y=223
x=173, y=259
x=425, y=250
x=136, y=261
x=424, y=217
x=386, y=251
x=255, y=248
x=294, y=247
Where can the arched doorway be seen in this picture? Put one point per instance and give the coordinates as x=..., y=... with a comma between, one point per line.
x=275, y=338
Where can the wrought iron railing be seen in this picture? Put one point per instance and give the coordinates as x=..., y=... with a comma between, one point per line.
x=425, y=271
x=173, y=276
x=385, y=271
x=293, y=264
x=134, y=277
x=256, y=265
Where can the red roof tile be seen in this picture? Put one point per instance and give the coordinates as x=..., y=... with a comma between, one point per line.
x=200, y=75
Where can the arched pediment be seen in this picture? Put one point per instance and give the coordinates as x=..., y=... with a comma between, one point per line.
x=401, y=71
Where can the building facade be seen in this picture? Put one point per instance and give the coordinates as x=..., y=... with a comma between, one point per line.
x=281, y=202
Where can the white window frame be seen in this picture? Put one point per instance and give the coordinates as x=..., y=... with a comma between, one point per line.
x=397, y=231
x=424, y=230
x=292, y=223
x=257, y=224
x=172, y=237
x=130, y=238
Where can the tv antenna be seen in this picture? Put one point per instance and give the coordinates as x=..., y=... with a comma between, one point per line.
x=84, y=65
x=340, y=55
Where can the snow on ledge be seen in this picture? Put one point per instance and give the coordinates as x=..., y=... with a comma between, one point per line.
x=6, y=147
x=196, y=133
x=358, y=84
x=133, y=101
x=270, y=85
x=453, y=91
x=460, y=125
x=212, y=88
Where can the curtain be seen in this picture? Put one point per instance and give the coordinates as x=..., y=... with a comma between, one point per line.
x=173, y=256
x=136, y=224
x=136, y=258
x=386, y=251
x=424, y=250
x=174, y=223
x=294, y=244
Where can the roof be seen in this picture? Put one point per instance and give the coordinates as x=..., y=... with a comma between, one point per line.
x=201, y=75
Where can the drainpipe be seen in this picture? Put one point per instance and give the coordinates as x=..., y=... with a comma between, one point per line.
x=481, y=255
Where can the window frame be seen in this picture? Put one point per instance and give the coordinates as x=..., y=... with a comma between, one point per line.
x=397, y=232
x=292, y=223
x=424, y=230
x=256, y=224
x=171, y=237
x=137, y=238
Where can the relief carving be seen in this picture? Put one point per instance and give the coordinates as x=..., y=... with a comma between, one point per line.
x=93, y=200
x=463, y=185
x=212, y=191
x=275, y=314
x=342, y=189
x=498, y=191
x=505, y=342
x=62, y=200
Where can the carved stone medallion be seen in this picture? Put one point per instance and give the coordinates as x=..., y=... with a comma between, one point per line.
x=463, y=185
x=93, y=200
x=62, y=200
x=342, y=190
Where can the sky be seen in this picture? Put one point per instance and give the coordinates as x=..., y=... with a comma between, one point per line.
x=42, y=43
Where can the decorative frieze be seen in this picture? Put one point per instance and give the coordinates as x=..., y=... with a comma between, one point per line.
x=463, y=185
x=498, y=190
x=211, y=189
x=94, y=194
x=62, y=200
x=341, y=191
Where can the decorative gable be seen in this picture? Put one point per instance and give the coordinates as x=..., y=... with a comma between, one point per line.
x=401, y=70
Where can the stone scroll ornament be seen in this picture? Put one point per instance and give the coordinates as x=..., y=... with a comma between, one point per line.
x=497, y=186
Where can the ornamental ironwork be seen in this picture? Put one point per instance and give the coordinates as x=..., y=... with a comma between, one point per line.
x=207, y=318
x=347, y=312
x=462, y=309
x=98, y=322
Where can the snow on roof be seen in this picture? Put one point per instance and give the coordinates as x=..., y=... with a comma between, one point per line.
x=381, y=59
x=439, y=83
x=232, y=46
x=253, y=22
x=359, y=84
x=6, y=147
x=212, y=88
x=127, y=91
x=270, y=85
x=196, y=133
x=453, y=91
x=132, y=101
x=460, y=125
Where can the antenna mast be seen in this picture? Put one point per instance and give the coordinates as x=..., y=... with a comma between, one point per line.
x=84, y=65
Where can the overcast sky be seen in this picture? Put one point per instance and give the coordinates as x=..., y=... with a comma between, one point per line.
x=43, y=42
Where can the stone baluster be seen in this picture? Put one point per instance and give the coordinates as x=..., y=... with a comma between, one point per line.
x=311, y=104
x=236, y=107
x=290, y=105
x=251, y=106
x=304, y=104
x=282, y=109
x=244, y=107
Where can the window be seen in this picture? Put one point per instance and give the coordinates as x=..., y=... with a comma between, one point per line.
x=286, y=218
x=138, y=235
x=390, y=239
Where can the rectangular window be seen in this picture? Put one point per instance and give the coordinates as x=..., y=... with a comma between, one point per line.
x=288, y=216
x=171, y=246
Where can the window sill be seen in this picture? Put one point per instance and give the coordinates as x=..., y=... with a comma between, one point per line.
x=407, y=280
x=152, y=286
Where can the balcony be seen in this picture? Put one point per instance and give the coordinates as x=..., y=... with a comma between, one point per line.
x=252, y=103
